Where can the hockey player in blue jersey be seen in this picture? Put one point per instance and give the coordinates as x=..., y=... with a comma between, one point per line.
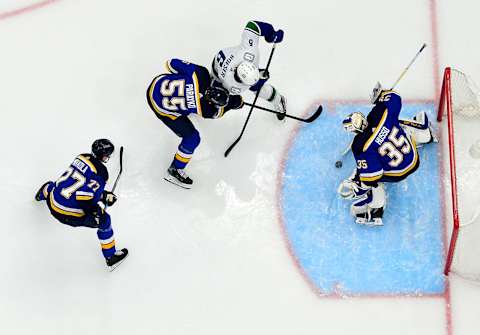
x=385, y=150
x=237, y=68
x=185, y=90
x=79, y=199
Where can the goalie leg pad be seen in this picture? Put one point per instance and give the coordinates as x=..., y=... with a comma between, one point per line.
x=420, y=129
x=368, y=209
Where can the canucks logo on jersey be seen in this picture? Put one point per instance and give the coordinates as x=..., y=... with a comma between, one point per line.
x=384, y=152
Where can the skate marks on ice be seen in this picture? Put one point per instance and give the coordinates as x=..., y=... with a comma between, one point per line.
x=339, y=257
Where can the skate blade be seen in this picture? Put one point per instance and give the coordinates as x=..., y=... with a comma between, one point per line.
x=369, y=223
x=114, y=266
x=174, y=181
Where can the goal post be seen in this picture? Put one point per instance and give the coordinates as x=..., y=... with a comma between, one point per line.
x=459, y=113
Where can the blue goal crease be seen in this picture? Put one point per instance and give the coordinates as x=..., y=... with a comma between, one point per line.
x=404, y=257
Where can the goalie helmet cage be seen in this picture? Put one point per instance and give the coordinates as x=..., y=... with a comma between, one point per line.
x=459, y=104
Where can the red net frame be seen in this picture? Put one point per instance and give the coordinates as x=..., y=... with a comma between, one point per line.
x=460, y=103
x=446, y=102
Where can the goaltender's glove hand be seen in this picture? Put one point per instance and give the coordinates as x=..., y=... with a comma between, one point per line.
x=108, y=198
x=351, y=189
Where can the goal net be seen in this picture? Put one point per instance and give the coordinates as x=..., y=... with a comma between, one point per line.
x=459, y=109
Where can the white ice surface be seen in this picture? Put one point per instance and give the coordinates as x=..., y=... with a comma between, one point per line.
x=213, y=260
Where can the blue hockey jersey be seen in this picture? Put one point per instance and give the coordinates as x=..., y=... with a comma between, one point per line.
x=79, y=189
x=384, y=152
x=178, y=93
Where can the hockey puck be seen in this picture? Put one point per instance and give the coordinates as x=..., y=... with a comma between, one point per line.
x=338, y=164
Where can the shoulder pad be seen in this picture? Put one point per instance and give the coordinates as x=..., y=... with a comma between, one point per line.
x=102, y=171
x=359, y=142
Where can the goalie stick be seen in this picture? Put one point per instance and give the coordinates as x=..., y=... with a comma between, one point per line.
x=310, y=119
x=251, y=108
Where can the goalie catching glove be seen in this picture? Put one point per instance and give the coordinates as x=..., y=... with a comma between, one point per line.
x=351, y=189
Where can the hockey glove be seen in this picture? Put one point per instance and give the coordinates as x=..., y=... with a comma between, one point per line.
x=274, y=36
x=235, y=102
x=108, y=198
x=264, y=74
x=350, y=189
x=278, y=36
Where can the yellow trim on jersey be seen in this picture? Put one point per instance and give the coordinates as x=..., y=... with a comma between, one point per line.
x=61, y=211
x=220, y=112
x=152, y=101
x=409, y=168
x=87, y=161
x=384, y=93
x=45, y=193
x=197, y=94
x=108, y=245
x=371, y=178
x=377, y=130
x=173, y=117
x=84, y=197
x=182, y=159
x=169, y=67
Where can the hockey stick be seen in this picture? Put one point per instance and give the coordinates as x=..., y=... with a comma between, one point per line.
x=310, y=119
x=408, y=66
x=251, y=108
x=118, y=176
x=119, y=172
x=339, y=162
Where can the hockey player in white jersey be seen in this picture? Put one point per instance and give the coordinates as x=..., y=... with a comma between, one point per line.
x=237, y=68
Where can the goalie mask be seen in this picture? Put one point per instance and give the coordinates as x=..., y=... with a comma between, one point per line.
x=217, y=95
x=355, y=122
x=377, y=90
x=247, y=73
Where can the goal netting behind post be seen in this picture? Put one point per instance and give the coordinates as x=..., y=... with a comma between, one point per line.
x=459, y=109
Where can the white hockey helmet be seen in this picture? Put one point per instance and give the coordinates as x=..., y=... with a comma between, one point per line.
x=247, y=73
x=377, y=90
x=355, y=122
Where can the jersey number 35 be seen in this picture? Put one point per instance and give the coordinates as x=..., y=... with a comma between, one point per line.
x=395, y=148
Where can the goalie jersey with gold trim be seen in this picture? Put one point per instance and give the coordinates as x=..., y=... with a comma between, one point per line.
x=384, y=152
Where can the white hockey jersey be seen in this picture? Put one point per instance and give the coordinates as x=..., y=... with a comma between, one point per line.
x=227, y=60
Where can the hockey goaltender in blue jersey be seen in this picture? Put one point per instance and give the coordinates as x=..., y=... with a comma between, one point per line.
x=384, y=152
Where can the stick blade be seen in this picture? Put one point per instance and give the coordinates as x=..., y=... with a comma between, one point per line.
x=227, y=152
x=315, y=115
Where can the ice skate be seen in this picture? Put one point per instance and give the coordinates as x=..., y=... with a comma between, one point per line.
x=178, y=177
x=117, y=259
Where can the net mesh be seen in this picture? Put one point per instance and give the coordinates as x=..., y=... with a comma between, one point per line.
x=466, y=129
